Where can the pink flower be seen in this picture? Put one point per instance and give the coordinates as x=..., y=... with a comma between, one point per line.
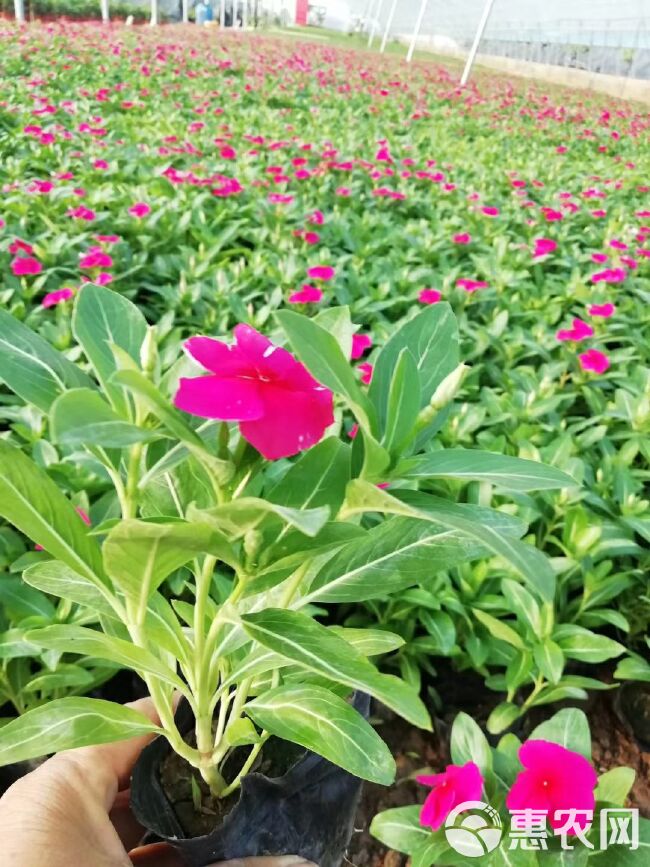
x=462, y=238
x=554, y=779
x=459, y=783
x=360, y=342
x=594, y=360
x=307, y=295
x=311, y=237
x=280, y=198
x=82, y=213
x=604, y=310
x=617, y=245
x=609, y=275
x=53, y=298
x=100, y=164
x=95, y=258
x=470, y=285
x=108, y=239
x=580, y=331
x=599, y=257
x=321, y=272
x=490, y=211
x=228, y=153
x=140, y=210
x=280, y=407
x=383, y=155
x=317, y=218
x=429, y=296
x=18, y=246
x=552, y=216
x=544, y=246
x=366, y=372
x=24, y=265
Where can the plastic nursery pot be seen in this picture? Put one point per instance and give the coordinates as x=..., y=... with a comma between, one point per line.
x=308, y=810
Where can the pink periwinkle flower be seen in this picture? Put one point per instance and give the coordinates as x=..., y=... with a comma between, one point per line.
x=360, y=343
x=599, y=258
x=321, y=272
x=609, y=275
x=140, y=210
x=603, y=310
x=228, y=153
x=553, y=779
x=19, y=246
x=458, y=783
x=580, y=330
x=317, y=218
x=551, y=215
x=489, y=211
x=544, y=246
x=470, y=285
x=57, y=297
x=366, y=370
x=594, y=361
x=280, y=407
x=96, y=258
x=429, y=296
x=307, y=295
x=462, y=238
x=82, y=213
x=24, y=266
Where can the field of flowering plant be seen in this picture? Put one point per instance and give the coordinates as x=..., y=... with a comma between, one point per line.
x=411, y=421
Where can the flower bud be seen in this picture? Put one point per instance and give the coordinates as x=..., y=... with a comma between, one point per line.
x=149, y=351
x=444, y=394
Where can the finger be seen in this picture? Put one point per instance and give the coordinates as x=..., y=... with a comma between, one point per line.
x=107, y=768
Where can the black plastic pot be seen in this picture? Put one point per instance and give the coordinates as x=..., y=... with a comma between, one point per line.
x=309, y=811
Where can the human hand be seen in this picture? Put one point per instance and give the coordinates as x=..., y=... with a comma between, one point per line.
x=73, y=811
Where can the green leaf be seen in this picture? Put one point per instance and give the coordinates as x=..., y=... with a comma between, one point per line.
x=139, y=555
x=441, y=628
x=322, y=722
x=31, y=367
x=469, y=744
x=579, y=643
x=236, y=518
x=321, y=354
x=400, y=829
x=82, y=417
x=615, y=785
x=297, y=637
x=318, y=478
x=569, y=728
x=633, y=668
x=336, y=321
x=502, y=717
x=60, y=580
x=431, y=338
x=429, y=853
x=513, y=474
x=13, y=645
x=19, y=600
x=90, y=642
x=499, y=629
x=31, y=501
x=103, y=318
x=68, y=723
x=549, y=659
x=369, y=642
x=403, y=401
x=528, y=561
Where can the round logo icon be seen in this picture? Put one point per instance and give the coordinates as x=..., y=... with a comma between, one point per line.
x=473, y=829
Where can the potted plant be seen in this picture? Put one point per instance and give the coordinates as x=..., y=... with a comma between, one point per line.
x=216, y=555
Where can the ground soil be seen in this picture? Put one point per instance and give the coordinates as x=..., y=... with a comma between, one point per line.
x=614, y=744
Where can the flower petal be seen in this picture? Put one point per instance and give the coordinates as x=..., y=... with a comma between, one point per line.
x=217, y=357
x=215, y=397
x=293, y=421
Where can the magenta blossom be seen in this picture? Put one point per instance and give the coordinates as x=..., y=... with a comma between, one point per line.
x=280, y=407
x=140, y=210
x=321, y=272
x=366, y=370
x=23, y=266
x=554, y=779
x=459, y=783
x=470, y=285
x=489, y=211
x=307, y=295
x=429, y=296
x=609, y=275
x=595, y=361
x=544, y=246
x=462, y=238
x=360, y=342
x=580, y=331
x=54, y=298
x=604, y=310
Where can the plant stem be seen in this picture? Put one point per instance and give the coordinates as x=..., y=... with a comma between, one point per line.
x=248, y=764
x=131, y=493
